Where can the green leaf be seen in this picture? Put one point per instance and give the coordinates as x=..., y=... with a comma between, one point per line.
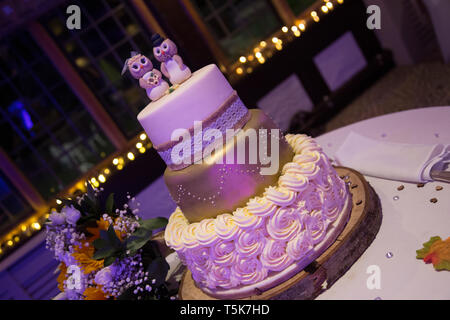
x=111, y=234
x=104, y=253
x=158, y=269
x=100, y=243
x=88, y=206
x=108, y=245
x=421, y=253
x=143, y=234
x=150, y=251
x=90, y=191
x=89, y=202
x=109, y=261
x=138, y=239
x=155, y=223
x=109, y=206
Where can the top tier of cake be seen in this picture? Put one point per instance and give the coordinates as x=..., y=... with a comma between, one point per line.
x=196, y=99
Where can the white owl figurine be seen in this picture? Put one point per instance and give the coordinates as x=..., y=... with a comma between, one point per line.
x=165, y=51
x=150, y=79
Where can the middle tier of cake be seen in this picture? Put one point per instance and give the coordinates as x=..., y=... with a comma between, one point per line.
x=226, y=180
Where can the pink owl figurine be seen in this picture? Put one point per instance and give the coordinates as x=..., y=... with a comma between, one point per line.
x=165, y=51
x=150, y=79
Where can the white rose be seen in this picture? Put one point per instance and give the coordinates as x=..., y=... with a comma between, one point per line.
x=72, y=215
x=57, y=218
x=104, y=276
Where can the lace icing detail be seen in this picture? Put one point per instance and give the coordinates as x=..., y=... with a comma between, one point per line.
x=227, y=120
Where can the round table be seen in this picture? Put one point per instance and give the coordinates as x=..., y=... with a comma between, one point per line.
x=409, y=218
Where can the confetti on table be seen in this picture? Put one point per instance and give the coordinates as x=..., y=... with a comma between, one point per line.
x=439, y=188
x=400, y=188
x=433, y=200
x=437, y=252
x=420, y=185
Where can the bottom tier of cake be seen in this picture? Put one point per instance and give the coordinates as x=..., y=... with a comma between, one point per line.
x=273, y=236
x=275, y=278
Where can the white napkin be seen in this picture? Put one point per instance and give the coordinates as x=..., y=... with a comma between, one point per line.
x=389, y=160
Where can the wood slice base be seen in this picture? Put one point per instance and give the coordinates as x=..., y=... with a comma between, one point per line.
x=358, y=234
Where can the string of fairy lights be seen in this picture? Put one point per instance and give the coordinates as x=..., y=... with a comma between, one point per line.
x=35, y=223
x=268, y=47
x=245, y=64
x=139, y=147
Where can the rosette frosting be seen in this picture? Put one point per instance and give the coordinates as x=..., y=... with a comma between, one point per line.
x=284, y=224
x=206, y=232
x=300, y=246
x=261, y=207
x=226, y=227
x=246, y=220
x=271, y=232
x=251, y=242
x=274, y=256
x=224, y=253
x=248, y=270
x=280, y=196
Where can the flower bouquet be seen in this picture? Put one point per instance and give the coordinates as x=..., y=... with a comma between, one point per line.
x=107, y=252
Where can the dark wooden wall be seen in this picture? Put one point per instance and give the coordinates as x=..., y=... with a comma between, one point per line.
x=180, y=27
x=296, y=57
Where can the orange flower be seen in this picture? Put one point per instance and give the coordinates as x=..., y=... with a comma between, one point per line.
x=101, y=225
x=94, y=293
x=83, y=255
x=62, y=276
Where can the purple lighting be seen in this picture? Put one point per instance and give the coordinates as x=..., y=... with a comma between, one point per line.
x=18, y=108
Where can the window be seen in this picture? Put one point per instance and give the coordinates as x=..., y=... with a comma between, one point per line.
x=298, y=6
x=238, y=24
x=109, y=32
x=12, y=206
x=45, y=129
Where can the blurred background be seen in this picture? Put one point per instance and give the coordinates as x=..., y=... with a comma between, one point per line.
x=67, y=115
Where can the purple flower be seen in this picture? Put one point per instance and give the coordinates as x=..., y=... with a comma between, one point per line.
x=105, y=275
x=57, y=218
x=72, y=215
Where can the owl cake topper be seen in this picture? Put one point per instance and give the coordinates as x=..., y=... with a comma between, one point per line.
x=150, y=79
x=165, y=51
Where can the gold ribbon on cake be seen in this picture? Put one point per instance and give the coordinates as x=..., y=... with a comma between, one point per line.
x=232, y=114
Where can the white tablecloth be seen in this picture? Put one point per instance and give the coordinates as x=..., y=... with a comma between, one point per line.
x=407, y=222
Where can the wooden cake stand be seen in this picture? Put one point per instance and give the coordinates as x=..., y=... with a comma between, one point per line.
x=358, y=234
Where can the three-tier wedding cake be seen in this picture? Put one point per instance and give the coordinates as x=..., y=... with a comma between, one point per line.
x=254, y=207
